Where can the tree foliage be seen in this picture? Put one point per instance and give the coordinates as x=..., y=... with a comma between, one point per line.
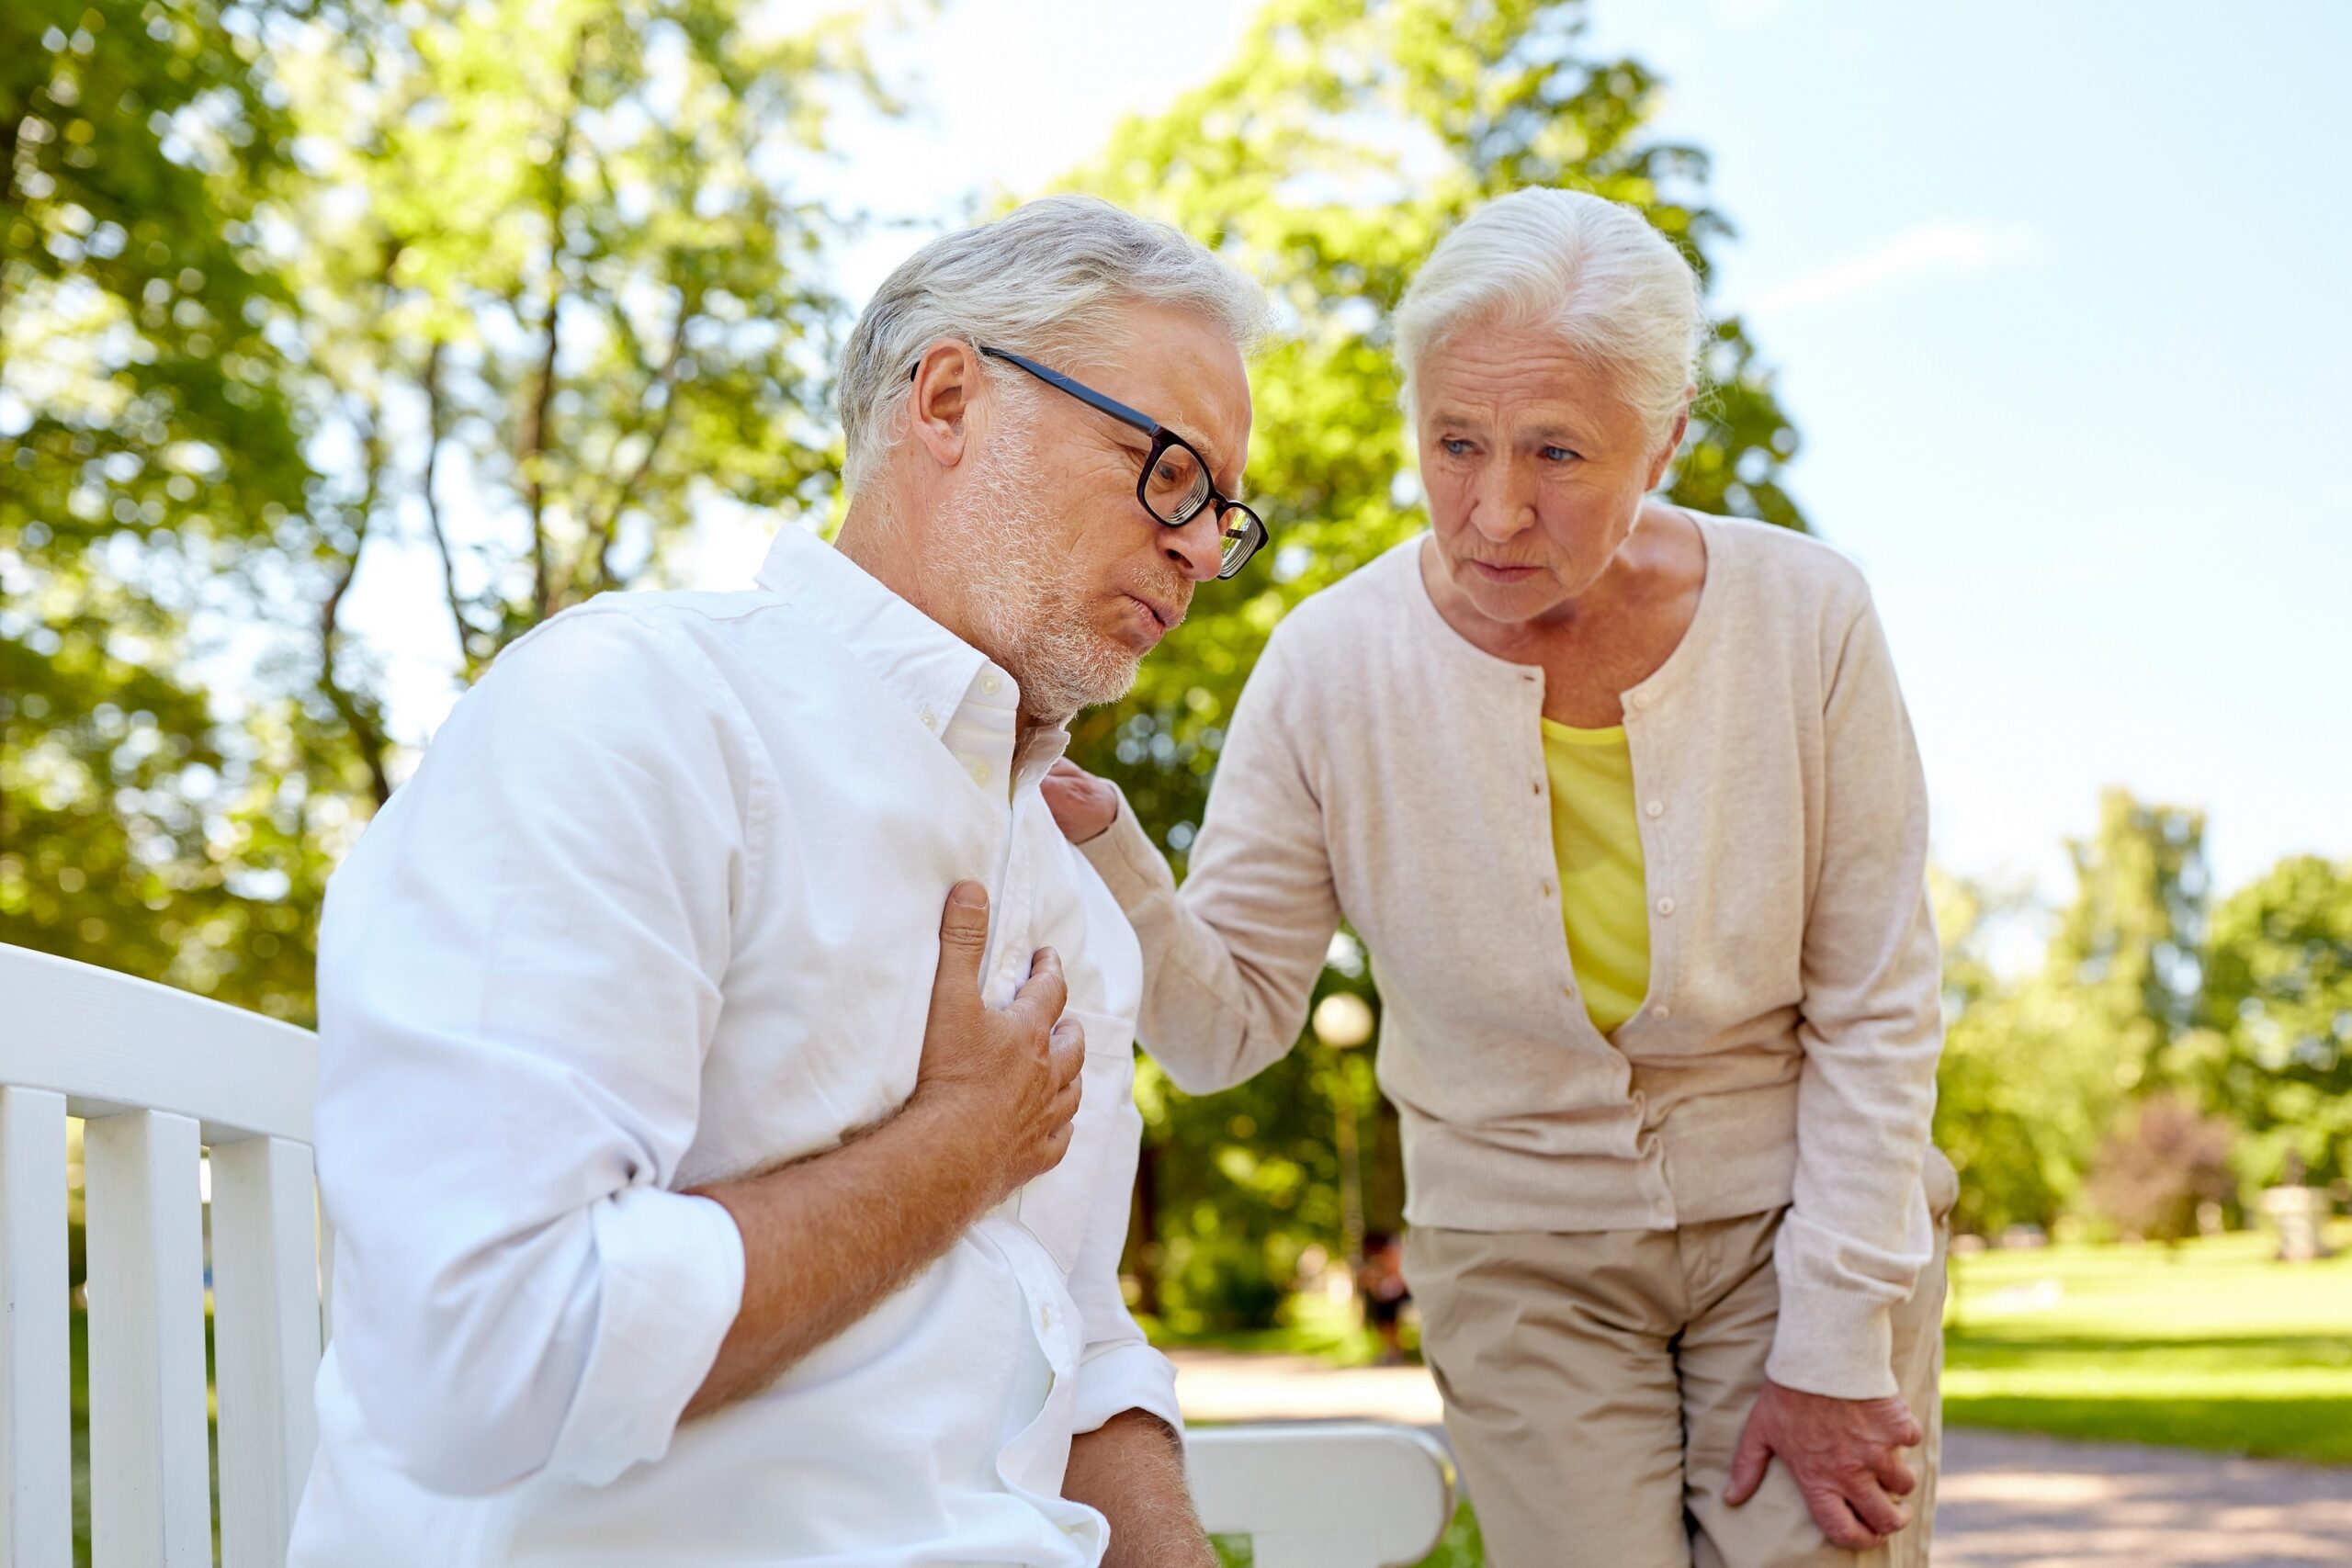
x=2274, y=1050
x=526, y=287
x=147, y=445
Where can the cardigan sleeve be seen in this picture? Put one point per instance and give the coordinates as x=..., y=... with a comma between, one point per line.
x=1230, y=959
x=1858, y=1233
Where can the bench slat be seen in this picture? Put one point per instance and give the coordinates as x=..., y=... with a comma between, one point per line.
x=1337, y=1495
x=114, y=1044
x=265, y=1340
x=36, y=1361
x=150, y=1502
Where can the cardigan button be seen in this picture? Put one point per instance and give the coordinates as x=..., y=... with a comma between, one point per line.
x=1666, y=906
x=1641, y=699
x=1656, y=808
x=1662, y=1012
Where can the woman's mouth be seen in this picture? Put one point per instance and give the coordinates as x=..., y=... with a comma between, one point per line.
x=1491, y=572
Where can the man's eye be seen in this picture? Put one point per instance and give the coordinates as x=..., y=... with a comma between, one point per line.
x=1558, y=454
x=1456, y=447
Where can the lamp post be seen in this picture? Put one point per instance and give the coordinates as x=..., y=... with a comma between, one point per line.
x=1343, y=1022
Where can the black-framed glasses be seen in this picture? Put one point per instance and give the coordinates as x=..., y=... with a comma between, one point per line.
x=1174, y=484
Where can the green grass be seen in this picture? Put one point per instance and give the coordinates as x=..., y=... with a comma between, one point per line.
x=2210, y=1346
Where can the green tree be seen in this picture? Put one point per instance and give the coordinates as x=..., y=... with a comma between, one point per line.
x=147, y=445
x=558, y=299
x=2275, y=1052
x=527, y=284
x=2016, y=1164
x=2036, y=1073
x=1327, y=158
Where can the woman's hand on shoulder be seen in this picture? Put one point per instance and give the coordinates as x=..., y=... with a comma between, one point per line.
x=1082, y=805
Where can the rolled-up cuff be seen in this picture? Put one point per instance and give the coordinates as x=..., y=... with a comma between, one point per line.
x=1125, y=1377
x=1838, y=1343
x=1129, y=861
x=671, y=1272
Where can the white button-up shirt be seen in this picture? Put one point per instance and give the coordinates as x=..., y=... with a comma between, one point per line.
x=660, y=908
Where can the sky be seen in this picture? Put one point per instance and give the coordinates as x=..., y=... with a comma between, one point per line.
x=2059, y=297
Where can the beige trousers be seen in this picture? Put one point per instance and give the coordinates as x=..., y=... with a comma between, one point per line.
x=1596, y=1387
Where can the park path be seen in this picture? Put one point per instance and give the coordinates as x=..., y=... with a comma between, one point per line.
x=2005, y=1501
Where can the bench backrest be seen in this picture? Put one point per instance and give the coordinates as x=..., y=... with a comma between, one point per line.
x=160, y=1077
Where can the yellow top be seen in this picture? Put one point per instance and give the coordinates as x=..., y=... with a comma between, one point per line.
x=1596, y=837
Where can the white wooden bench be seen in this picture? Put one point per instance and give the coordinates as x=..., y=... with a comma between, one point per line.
x=162, y=1078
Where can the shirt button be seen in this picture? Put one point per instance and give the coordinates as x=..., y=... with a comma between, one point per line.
x=990, y=685
x=1666, y=906
x=980, y=773
x=1656, y=808
x=928, y=721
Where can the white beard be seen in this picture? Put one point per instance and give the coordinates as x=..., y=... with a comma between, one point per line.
x=1025, y=612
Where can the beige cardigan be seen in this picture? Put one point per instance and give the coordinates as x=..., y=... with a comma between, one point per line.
x=1382, y=769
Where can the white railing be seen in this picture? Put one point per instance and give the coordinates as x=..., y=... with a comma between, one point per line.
x=161, y=1077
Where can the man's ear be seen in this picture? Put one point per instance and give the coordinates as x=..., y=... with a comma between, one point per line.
x=946, y=384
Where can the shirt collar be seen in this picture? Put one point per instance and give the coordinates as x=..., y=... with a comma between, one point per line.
x=948, y=684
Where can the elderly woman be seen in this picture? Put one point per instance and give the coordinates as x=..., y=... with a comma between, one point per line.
x=1625, y=804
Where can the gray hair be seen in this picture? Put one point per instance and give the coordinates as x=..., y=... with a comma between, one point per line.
x=1048, y=279
x=1593, y=271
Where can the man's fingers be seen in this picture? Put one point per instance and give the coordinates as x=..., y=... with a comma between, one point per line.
x=1066, y=1047
x=1043, y=996
x=1747, y=1466
x=963, y=940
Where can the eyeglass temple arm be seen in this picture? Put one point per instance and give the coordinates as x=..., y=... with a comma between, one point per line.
x=1084, y=393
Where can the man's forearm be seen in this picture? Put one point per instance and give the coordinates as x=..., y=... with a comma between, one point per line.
x=1131, y=1471
x=825, y=1239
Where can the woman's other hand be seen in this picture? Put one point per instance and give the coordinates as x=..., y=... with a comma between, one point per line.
x=1082, y=805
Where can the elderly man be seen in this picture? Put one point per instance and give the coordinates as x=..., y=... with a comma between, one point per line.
x=704, y=1194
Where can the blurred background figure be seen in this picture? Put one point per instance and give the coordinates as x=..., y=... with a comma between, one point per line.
x=1380, y=1284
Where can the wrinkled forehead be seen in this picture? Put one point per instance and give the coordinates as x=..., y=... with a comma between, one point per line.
x=1517, y=377
x=1182, y=369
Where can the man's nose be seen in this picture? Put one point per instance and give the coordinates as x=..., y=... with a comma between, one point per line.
x=1198, y=546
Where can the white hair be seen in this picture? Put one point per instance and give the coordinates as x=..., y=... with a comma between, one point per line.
x=1049, y=280
x=1593, y=271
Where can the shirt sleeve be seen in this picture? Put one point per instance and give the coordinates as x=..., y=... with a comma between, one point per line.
x=1857, y=1234
x=1230, y=960
x=518, y=979
x=1117, y=1369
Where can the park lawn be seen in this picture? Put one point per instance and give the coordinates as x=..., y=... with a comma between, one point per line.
x=2209, y=1346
